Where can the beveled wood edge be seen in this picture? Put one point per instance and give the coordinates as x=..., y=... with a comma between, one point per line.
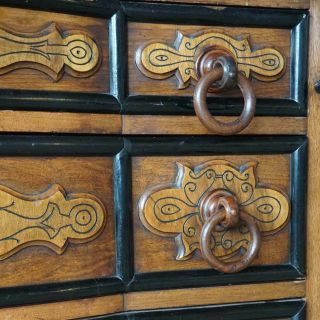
x=59, y=122
x=213, y=295
x=291, y=4
x=134, y=301
x=148, y=124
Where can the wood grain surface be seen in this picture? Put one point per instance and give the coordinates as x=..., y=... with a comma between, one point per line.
x=158, y=60
x=174, y=210
x=35, y=265
x=292, y=4
x=65, y=310
x=206, y=296
x=51, y=218
x=59, y=122
x=155, y=253
x=32, y=21
x=140, y=34
x=313, y=218
x=149, y=124
x=85, y=308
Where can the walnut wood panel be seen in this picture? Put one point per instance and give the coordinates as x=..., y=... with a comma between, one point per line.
x=206, y=296
x=141, y=33
x=51, y=218
x=146, y=124
x=73, y=309
x=31, y=21
x=151, y=249
x=32, y=175
x=62, y=122
x=292, y=4
x=313, y=219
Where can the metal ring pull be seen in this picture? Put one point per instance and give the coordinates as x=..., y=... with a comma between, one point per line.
x=219, y=210
x=216, y=76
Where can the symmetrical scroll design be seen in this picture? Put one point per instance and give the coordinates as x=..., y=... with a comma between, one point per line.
x=174, y=210
x=49, y=51
x=51, y=219
x=160, y=61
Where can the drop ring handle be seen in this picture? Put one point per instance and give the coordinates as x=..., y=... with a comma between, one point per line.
x=220, y=75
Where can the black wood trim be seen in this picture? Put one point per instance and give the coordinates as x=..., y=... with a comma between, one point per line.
x=123, y=209
x=212, y=15
x=100, y=8
x=293, y=308
x=296, y=146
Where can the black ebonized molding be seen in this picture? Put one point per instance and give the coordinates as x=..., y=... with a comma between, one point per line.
x=100, y=8
x=123, y=209
x=292, y=308
x=296, y=146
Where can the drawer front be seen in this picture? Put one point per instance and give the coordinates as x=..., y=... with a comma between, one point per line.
x=170, y=179
x=57, y=57
x=163, y=49
x=58, y=218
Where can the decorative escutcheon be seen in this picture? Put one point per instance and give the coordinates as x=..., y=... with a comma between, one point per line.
x=158, y=60
x=49, y=51
x=216, y=208
x=51, y=219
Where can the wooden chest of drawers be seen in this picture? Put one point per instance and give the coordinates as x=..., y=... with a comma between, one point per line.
x=131, y=188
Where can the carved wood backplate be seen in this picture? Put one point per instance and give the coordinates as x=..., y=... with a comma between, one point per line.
x=51, y=219
x=173, y=210
x=49, y=51
x=158, y=60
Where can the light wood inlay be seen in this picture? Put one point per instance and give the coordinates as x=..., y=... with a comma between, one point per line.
x=313, y=218
x=157, y=60
x=147, y=124
x=39, y=264
x=33, y=21
x=49, y=51
x=151, y=249
x=173, y=210
x=51, y=218
x=142, y=33
x=206, y=296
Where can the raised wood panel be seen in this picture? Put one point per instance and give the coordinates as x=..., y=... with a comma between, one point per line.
x=147, y=124
x=142, y=33
x=22, y=20
x=155, y=253
x=292, y=4
x=35, y=265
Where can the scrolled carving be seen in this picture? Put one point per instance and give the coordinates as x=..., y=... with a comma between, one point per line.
x=49, y=51
x=173, y=211
x=51, y=219
x=160, y=61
